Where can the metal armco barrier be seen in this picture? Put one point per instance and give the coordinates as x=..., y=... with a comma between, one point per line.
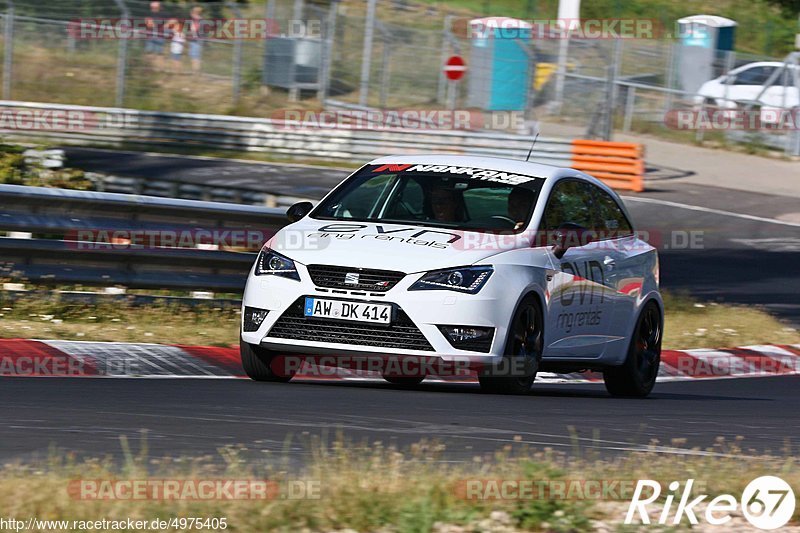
x=116, y=127
x=66, y=258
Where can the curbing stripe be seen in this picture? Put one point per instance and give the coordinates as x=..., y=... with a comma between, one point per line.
x=25, y=357
x=35, y=358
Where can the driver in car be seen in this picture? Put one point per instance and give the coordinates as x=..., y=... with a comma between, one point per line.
x=446, y=204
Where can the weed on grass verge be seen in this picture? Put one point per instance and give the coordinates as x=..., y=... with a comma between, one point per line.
x=378, y=487
x=689, y=323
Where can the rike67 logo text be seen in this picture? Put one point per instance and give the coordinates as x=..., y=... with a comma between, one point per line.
x=768, y=503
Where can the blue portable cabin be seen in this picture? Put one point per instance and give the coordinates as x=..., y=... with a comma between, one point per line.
x=500, y=66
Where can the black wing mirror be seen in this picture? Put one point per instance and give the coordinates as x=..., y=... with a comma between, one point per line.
x=298, y=211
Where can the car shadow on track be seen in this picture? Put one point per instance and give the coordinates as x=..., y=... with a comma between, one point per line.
x=548, y=390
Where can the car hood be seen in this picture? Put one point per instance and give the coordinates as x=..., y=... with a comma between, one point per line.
x=405, y=247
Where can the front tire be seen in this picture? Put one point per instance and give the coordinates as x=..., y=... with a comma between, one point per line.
x=636, y=377
x=523, y=349
x=257, y=363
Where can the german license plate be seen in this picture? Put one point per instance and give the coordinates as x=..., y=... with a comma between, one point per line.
x=341, y=310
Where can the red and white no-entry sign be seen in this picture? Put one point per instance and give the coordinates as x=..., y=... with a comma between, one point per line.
x=454, y=68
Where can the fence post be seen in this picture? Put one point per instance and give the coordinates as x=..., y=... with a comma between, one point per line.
x=327, y=54
x=386, y=57
x=297, y=11
x=611, y=91
x=447, y=38
x=670, y=76
x=630, y=102
x=122, y=59
x=796, y=148
x=8, y=50
x=366, y=55
x=730, y=61
x=561, y=70
x=237, y=56
x=270, y=16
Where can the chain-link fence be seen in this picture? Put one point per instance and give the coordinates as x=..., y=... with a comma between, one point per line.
x=324, y=54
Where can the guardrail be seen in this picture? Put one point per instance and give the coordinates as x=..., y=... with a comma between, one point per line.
x=106, y=239
x=175, y=188
x=115, y=126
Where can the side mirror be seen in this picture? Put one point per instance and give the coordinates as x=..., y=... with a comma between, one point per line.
x=298, y=211
x=568, y=235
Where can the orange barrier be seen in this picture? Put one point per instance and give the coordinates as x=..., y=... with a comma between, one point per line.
x=619, y=165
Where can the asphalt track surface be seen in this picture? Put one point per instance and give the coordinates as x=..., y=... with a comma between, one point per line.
x=187, y=416
x=743, y=256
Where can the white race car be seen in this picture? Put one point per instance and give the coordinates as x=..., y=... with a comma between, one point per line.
x=500, y=267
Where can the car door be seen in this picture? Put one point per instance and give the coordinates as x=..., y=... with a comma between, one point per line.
x=781, y=94
x=623, y=261
x=580, y=304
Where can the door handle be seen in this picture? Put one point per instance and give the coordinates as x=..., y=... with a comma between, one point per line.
x=609, y=262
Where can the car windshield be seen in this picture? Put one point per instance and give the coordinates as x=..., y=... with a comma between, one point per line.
x=439, y=196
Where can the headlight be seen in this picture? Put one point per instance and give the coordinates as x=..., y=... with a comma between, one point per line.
x=271, y=262
x=463, y=279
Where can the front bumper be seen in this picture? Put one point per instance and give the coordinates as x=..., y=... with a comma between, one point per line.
x=421, y=311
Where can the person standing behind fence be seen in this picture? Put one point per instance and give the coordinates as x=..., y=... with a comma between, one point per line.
x=177, y=42
x=154, y=45
x=195, y=38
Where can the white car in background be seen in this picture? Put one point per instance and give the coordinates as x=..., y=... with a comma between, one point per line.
x=508, y=267
x=745, y=83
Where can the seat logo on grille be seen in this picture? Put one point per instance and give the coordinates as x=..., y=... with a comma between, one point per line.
x=351, y=278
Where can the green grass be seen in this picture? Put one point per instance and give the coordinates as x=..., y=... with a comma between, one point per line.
x=689, y=323
x=372, y=486
x=15, y=170
x=42, y=316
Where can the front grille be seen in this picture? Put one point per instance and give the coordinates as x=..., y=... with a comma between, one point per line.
x=401, y=333
x=364, y=279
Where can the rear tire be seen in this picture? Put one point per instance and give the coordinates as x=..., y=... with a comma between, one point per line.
x=257, y=363
x=523, y=349
x=636, y=377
